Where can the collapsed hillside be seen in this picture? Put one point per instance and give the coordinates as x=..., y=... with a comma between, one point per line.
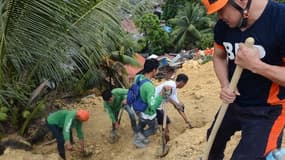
x=201, y=99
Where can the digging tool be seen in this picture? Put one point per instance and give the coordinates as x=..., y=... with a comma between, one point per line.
x=164, y=147
x=114, y=137
x=233, y=84
x=121, y=113
x=75, y=150
x=86, y=154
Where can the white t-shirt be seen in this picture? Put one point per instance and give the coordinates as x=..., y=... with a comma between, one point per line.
x=173, y=94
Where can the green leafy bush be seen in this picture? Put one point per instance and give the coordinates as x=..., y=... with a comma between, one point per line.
x=157, y=39
x=207, y=40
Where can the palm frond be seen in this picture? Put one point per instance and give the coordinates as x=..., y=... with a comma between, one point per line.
x=44, y=38
x=125, y=59
x=188, y=25
x=59, y=41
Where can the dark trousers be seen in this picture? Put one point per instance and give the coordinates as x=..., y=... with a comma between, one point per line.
x=255, y=124
x=58, y=135
x=132, y=116
x=160, y=115
x=151, y=129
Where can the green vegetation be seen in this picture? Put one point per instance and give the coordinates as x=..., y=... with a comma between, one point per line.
x=64, y=47
x=156, y=39
x=281, y=1
x=63, y=41
x=171, y=7
x=190, y=25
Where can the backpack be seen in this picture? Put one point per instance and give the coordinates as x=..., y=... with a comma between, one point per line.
x=134, y=98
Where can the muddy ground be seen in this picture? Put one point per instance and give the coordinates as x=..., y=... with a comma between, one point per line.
x=201, y=99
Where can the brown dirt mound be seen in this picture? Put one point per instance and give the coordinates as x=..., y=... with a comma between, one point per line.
x=200, y=97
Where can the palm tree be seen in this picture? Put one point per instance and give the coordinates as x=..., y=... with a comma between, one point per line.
x=189, y=24
x=171, y=7
x=156, y=38
x=57, y=40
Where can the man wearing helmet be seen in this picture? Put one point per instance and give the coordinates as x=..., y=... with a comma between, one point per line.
x=61, y=122
x=257, y=107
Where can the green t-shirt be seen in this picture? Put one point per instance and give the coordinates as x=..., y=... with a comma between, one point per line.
x=147, y=93
x=119, y=94
x=66, y=119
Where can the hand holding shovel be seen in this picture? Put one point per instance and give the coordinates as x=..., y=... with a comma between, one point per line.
x=236, y=76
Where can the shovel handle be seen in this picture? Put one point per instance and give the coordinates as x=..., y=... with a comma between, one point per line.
x=121, y=113
x=163, y=133
x=233, y=85
x=164, y=116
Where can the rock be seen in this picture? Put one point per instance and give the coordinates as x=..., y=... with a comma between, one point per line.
x=198, y=96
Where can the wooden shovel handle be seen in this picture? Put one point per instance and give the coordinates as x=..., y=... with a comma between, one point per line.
x=121, y=113
x=233, y=85
x=164, y=116
x=163, y=133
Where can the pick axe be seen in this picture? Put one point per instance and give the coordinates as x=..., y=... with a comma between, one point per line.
x=233, y=85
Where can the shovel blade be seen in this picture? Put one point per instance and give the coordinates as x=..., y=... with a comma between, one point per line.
x=86, y=154
x=164, y=151
x=164, y=147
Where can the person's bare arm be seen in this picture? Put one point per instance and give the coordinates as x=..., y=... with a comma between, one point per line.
x=180, y=110
x=248, y=58
x=221, y=70
x=221, y=66
x=185, y=118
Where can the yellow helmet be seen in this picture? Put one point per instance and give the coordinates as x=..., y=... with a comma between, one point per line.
x=213, y=6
